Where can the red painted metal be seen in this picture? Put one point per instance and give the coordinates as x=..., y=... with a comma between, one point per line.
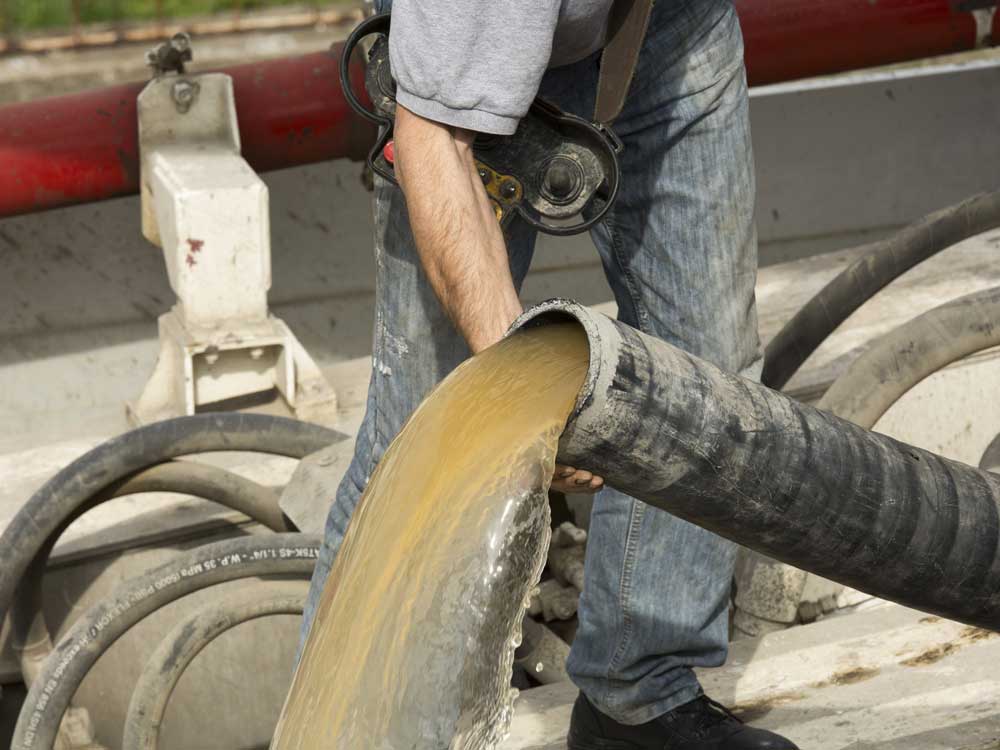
x=84, y=147
x=790, y=39
x=79, y=148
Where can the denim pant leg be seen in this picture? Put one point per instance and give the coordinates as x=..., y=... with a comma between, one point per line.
x=680, y=254
x=414, y=347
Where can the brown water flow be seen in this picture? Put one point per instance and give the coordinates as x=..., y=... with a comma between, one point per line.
x=414, y=638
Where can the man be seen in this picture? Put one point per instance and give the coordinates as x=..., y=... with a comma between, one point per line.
x=679, y=251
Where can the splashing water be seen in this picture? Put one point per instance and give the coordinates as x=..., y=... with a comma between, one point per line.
x=414, y=637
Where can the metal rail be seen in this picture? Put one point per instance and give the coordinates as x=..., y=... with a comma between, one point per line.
x=84, y=147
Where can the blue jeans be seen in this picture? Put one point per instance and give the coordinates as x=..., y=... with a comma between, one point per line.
x=679, y=251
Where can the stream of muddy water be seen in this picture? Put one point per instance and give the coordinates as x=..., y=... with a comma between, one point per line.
x=414, y=638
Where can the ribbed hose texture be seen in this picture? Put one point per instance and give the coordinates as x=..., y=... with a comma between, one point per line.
x=783, y=478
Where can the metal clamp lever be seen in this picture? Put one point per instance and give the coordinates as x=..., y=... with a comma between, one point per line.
x=558, y=172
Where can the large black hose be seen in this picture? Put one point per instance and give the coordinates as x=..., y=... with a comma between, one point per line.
x=880, y=263
x=254, y=500
x=892, y=365
x=30, y=635
x=51, y=507
x=98, y=628
x=783, y=478
x=183, y=643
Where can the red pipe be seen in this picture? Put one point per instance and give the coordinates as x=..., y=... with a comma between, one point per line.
x=84, y=147
x=790, y=39
x=73, y=149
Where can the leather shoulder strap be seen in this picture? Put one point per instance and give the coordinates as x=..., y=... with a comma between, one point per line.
x=627, y=25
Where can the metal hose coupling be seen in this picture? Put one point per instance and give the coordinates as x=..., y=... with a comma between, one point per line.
x=781, y=477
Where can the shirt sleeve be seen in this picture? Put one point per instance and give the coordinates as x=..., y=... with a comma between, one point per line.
x=473, y=64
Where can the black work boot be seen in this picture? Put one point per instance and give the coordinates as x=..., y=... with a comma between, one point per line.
x=701, y=724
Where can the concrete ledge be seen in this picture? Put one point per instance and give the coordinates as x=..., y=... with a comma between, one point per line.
x=888, y=678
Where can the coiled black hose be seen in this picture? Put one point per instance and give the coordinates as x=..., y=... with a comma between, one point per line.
x=98, y=628
x=881, y=262
x=990, y=460
x=900, y=359
x=29, y=633
x=181, y=645
x=52, y=507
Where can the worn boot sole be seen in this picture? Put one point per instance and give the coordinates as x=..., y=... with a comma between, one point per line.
x=597, y=743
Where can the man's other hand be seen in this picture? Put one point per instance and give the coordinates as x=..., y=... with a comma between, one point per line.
x=567, y=479
x=459, y=241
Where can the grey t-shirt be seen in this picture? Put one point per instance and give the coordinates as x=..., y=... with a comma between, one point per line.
x=477, y=64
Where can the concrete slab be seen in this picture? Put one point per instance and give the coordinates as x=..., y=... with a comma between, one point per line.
x=888, y=678
x=952, y=412
x=945, y=425
x=65, y=384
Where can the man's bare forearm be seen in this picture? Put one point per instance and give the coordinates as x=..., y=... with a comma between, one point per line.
x=458, y=238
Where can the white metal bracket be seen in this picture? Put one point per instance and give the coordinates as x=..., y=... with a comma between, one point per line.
x=208, y=210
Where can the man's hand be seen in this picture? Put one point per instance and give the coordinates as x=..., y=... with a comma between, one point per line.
x=566, y=479
x=461, y=247
x=458, y=238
